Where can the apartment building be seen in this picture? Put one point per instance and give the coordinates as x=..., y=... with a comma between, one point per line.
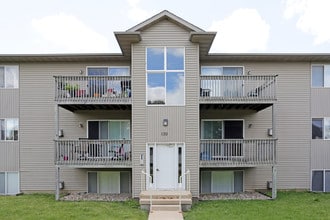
x=164, y=114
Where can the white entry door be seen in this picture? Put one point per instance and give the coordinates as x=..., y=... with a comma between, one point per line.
x=166, y=167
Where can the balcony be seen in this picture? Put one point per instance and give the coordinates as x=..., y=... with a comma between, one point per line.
x=237, y=89
x=75, y=92
x=237, y=152
x=93, y=153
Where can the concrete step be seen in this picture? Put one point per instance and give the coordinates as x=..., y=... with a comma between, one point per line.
x=166, y=208
x=184, y=201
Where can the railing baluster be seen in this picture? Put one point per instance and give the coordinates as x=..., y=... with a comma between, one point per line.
x=238, y=87
x=237, y=151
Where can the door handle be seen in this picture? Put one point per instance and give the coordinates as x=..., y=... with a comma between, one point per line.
x=157, y=169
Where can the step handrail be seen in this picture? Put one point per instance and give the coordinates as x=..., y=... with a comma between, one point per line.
x=144, y=174
x=187, y=182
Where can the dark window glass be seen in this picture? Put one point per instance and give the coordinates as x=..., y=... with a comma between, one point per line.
x=317, y=181
x=317, y=128
x=317, y=76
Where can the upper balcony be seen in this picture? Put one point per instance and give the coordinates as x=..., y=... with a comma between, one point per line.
x=238, y=89
x=237, y=152
x=93, y=153
x=92, y=92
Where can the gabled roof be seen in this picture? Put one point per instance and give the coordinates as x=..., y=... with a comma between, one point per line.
x=162, y=16
x=197, y=35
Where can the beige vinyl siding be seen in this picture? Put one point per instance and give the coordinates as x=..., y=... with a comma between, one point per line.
x=37, y=121
x=175, y=131
x=257, y=177
x=9, y=156
x=293, y=111
x=9, y=99
x=165, y=33
x=9, y=150
x=320, y=102
x=320, y=152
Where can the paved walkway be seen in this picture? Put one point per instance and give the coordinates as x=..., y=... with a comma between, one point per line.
x=165, y=215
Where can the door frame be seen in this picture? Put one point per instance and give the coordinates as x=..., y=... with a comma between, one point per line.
x=152, y=170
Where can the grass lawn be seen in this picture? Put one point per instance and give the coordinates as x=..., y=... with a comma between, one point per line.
x=288, y=205
x=44, y=206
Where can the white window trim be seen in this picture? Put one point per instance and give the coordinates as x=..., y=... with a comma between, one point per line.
x=165, y=71
x=108, y=120
x=323, y=128
x=318, y=87
x=108, y=67
x=5, y=119
x=5, y=82
x=243, y=67
x=223, y=128
x=6, y=182
x=311, y=179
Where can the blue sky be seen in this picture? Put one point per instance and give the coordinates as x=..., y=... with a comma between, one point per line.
x=243, y=26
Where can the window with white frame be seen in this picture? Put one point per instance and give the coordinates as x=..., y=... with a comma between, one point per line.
x=9, y=77
x=320, y=128
x=116, y=86
x=321, y=76
x=321, y=180
x=222, y=129
x=165, y=75
x=109, y=130
x=9, y=183
x=9, y=129
x=228, y=86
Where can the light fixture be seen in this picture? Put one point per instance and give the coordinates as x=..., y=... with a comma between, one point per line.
x=81, y=125
x=250, y=126
x=81, y=72
x=165, y=122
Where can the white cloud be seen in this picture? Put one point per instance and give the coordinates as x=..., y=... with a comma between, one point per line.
x=243, y=31
x=70, y=34
x=313, y=17
x=136, y=12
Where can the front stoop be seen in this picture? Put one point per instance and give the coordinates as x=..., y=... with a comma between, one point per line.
x=166, y=200
x=165, y=215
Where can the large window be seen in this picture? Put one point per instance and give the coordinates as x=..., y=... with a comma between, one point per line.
x=9, y=77
x=114, y=86
x=321, y=76
x=109, y=130
x=9, y=183
x=215, y=86
x=321, y=128
x=321, y=180
x=222, y=129
x=9, y=129
x=165, y=76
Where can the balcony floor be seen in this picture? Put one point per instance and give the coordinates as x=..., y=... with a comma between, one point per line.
x=251, y=106
x=75, y=107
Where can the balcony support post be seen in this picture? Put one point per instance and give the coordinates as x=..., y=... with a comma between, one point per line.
x=274, y=169
x=57, y=187
x=274, y=185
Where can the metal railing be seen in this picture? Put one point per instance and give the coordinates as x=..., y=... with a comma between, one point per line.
x=93, y=153
x=238, y=88
x=93, y=88
x=237, y=152
x=144, y=177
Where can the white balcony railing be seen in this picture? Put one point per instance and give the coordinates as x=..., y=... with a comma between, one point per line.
x=116, y=89
x=93, y=153
x=238, y=88
x=237, y=152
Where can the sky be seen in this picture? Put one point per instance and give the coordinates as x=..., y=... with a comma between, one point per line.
x=86, y=26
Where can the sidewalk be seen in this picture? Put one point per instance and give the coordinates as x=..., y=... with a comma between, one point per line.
x=165, y=215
